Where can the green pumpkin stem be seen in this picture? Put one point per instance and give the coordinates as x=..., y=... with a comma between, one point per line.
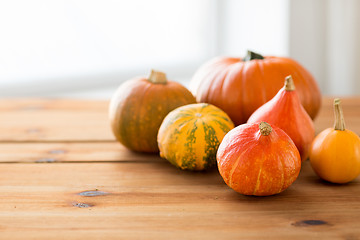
x=157, y=77
x=339, y=116
x=289, y=84
x=251, y=56
x=265, y=128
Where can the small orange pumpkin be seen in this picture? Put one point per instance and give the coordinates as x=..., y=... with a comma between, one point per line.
x=139, y=106
x=335, y=152
x=240, y=86
x=258, y=159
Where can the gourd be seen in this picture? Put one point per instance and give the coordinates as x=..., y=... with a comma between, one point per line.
x=335, y=152
x=190, y=135
x=258, y=159
x=139, y=106
x=286, y=112
x=240, y=86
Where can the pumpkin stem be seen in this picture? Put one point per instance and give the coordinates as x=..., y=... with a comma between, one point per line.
x=157, y=77
x=339, y=117
x=265, y=128
x=251, y=56
x=289, y=84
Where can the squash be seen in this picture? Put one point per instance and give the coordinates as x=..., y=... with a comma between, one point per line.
x=240, y=86
x=190, y=135
x=258, y=159
x=335, y=152
x=286, y=112
x=139, y=106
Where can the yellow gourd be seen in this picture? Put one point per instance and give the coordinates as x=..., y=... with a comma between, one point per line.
x=190, y=135
x=335, y=152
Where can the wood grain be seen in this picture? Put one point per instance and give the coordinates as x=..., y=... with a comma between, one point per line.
x=70, y=152
x=64, y=177
x=156, y=201
x=54, y=120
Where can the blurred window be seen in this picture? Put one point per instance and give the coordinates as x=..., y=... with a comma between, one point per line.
x=49, y=40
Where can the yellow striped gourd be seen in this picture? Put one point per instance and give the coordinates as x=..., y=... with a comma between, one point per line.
x=190, y=135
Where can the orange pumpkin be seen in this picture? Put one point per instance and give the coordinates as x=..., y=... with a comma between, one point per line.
x=335, y=152
x=240, y=86
x=139, y=106
x=286, y=112
x=258, y=159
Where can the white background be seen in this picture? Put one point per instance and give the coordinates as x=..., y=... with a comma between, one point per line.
x=85, y=49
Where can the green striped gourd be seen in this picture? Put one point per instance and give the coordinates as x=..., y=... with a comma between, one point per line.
x=190, y=135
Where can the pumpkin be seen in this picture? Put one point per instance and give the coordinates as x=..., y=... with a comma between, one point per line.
x=335, y=152
x=286, y=112
x=258, y=159
x=240, y=86
x=190, y=135
x=139, y=106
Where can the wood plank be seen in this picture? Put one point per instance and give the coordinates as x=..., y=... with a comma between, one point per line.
x=70, y=152
x=54, y=120
x=156, y=201
x=44, y=104
x=57, y=120
x=101, y=190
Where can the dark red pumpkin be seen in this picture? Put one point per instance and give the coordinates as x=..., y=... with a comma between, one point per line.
x=240, y=86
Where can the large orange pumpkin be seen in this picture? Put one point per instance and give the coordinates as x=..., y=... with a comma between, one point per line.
x=139, y=106
x=239, y=86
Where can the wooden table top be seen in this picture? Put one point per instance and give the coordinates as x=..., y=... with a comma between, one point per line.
x=63, y=176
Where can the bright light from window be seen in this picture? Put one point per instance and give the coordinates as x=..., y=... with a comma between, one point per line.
x=47, y=39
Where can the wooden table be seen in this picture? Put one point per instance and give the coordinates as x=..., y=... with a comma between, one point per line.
x=64, y=177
